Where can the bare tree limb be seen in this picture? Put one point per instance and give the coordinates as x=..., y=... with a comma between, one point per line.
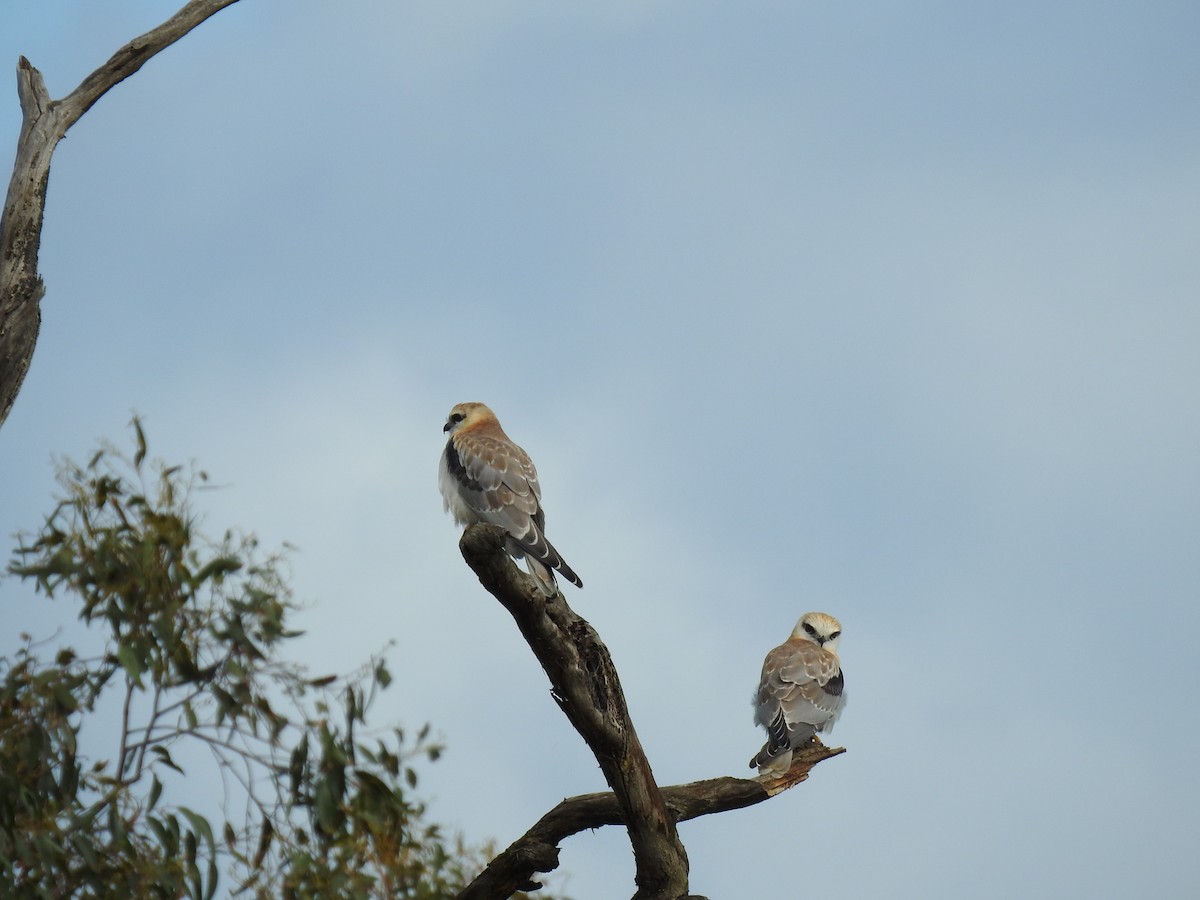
x=44, y=122
x=537, y=850
x=585, y=686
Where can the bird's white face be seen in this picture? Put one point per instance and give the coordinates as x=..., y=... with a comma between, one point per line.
x=819, y=628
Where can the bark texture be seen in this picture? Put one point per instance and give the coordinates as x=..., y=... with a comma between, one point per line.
x=43, y=124
x=585, y=685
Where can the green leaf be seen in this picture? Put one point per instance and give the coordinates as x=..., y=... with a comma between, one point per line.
x=217, y=568
x=200, y=826
x=116, y=827
x=382, y=675
x=131, y=663
x=64, y=698
x=264, y=843
x=85, y=847
x=297, y=763
x=164, y=757
x=213, y=878
x=167, y=837
x=189, y=849
x=327, y=811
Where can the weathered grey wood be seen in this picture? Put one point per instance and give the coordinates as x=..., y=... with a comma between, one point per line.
x=43, y=124
x=585, y=685
x=537, y=850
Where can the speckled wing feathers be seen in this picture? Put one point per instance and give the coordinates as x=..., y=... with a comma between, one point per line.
x=493, y=480
x=800, y=693
x=485, y=477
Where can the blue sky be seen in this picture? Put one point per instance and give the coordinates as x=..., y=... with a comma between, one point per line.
x=888, y=310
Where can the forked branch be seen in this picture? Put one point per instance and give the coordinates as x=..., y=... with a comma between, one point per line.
x=585, y=685
x=537, y=849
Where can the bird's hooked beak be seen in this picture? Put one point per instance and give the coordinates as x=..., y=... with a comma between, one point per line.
x=445, y=428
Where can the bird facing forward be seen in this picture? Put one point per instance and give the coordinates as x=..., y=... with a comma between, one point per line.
x=800, y=692
x=485, y=477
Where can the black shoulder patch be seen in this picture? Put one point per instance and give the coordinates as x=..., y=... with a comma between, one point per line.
x=455, y=467
x=835, y=684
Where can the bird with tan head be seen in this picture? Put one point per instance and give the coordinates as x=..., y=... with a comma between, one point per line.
x=485, y=477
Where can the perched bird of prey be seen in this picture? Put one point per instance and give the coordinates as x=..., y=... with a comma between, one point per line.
x=800, y=691
x=485, y=477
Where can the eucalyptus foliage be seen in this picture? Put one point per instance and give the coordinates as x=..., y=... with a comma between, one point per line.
x=190, y=637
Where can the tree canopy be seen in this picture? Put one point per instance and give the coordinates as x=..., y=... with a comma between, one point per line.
x=190, y=638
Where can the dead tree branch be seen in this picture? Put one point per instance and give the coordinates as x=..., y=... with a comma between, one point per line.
x=537, y=849
x=585, y=685
x=44, y=122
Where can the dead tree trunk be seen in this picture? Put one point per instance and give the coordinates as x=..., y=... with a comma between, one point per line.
x=43, y=124
x=585, y=686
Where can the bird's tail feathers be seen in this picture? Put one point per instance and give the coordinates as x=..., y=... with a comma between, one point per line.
x=542, y=575
x=543, y=552
x=567, y=572
x=772, y=761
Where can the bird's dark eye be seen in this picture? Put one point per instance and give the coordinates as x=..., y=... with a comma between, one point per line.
x=835, y=635
x=808, y=628
x=455, y=418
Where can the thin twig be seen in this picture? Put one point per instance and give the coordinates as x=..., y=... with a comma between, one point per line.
x=121, y=763
x=150, y=724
